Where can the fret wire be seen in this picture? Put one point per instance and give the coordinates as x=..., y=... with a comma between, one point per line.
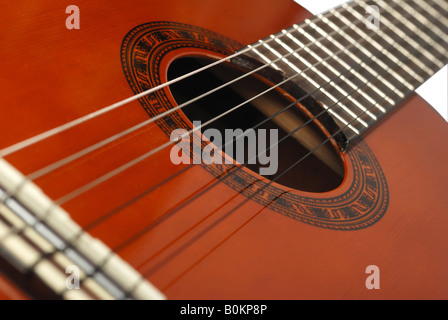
x=435, y=9
x=383, y=65
x=430, y=19
x=319, y=58
x=355, y=102
x=324, y=77
x=316, y=85
x=401, y=50
x=341, y=90
x=337, y=73
x=391, y=42
x=294, y=54
x=369, y=99
x=394, y=74
x=432, y=58
x=87, y=150
x=430, y=10
x=77, y=155
x=357, y=74
x=266, y=59
x=381, y=49
x=282, y=57
x=73, y=123
x=124, y=167
x=434, y=13
x=438, y=32
x=425, y=60
x=148, y=228
x=434, y=30
x=279, y=34
x=339, y=45
x=441, y=4
x=417, y=32
x=321, y=46
x=433, y=21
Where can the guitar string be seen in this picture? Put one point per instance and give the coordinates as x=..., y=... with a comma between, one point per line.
x=324, y=111
x=160, y=264
x=444, y=16
x=47, y=134
x=28, y=142
x=333, y=136
x=233, y=170
x=273, y=115
x=203, y=232
x=77, y=192
x=129, y=241
x=50, y=168
x=196, y=237
x=296, y=101
x=146, y=192
x=79, y=154
x=333, y=79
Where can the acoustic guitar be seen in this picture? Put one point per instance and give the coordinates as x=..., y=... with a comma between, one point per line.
x=160, y=149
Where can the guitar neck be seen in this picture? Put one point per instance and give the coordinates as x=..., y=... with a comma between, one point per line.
x=362, y=59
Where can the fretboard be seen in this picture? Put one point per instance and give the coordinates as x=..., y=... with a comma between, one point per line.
x=356, y=69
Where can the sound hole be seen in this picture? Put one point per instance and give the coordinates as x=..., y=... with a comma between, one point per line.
x=321, y=171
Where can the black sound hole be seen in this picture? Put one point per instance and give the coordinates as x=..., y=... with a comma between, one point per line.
x=320, y=173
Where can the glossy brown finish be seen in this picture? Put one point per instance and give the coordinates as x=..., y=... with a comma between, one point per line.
x=409, y=243
x=185, y=238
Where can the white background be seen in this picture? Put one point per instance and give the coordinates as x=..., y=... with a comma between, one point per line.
x=435, y=90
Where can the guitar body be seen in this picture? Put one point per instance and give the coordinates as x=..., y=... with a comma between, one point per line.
x=193, y=234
